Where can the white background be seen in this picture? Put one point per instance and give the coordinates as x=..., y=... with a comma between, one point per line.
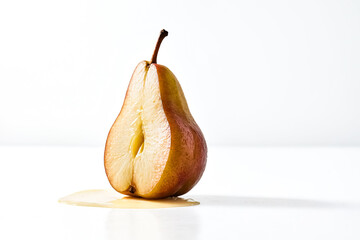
x=278, y=80
x=254, y=72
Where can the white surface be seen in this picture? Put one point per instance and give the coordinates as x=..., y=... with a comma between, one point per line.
x=245, y=193
x=254, y=72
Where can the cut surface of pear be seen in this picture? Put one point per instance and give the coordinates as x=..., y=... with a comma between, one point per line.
x=140, y=133
x=154, y=148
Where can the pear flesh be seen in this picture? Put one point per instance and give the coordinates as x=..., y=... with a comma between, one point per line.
x=154, y=149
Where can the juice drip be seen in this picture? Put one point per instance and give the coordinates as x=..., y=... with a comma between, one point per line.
x=112, y=199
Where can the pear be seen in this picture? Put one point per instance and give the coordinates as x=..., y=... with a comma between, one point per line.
x=154, y=149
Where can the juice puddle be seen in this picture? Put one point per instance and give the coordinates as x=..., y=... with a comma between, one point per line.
x=112, y=199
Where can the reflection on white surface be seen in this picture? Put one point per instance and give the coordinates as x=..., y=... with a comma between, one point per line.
x=152, y=224
x=219, y=214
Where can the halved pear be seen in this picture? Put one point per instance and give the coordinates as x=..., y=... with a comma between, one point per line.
x=154, y=149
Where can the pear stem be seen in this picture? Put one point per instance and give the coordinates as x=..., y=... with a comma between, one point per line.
x=163, y=34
